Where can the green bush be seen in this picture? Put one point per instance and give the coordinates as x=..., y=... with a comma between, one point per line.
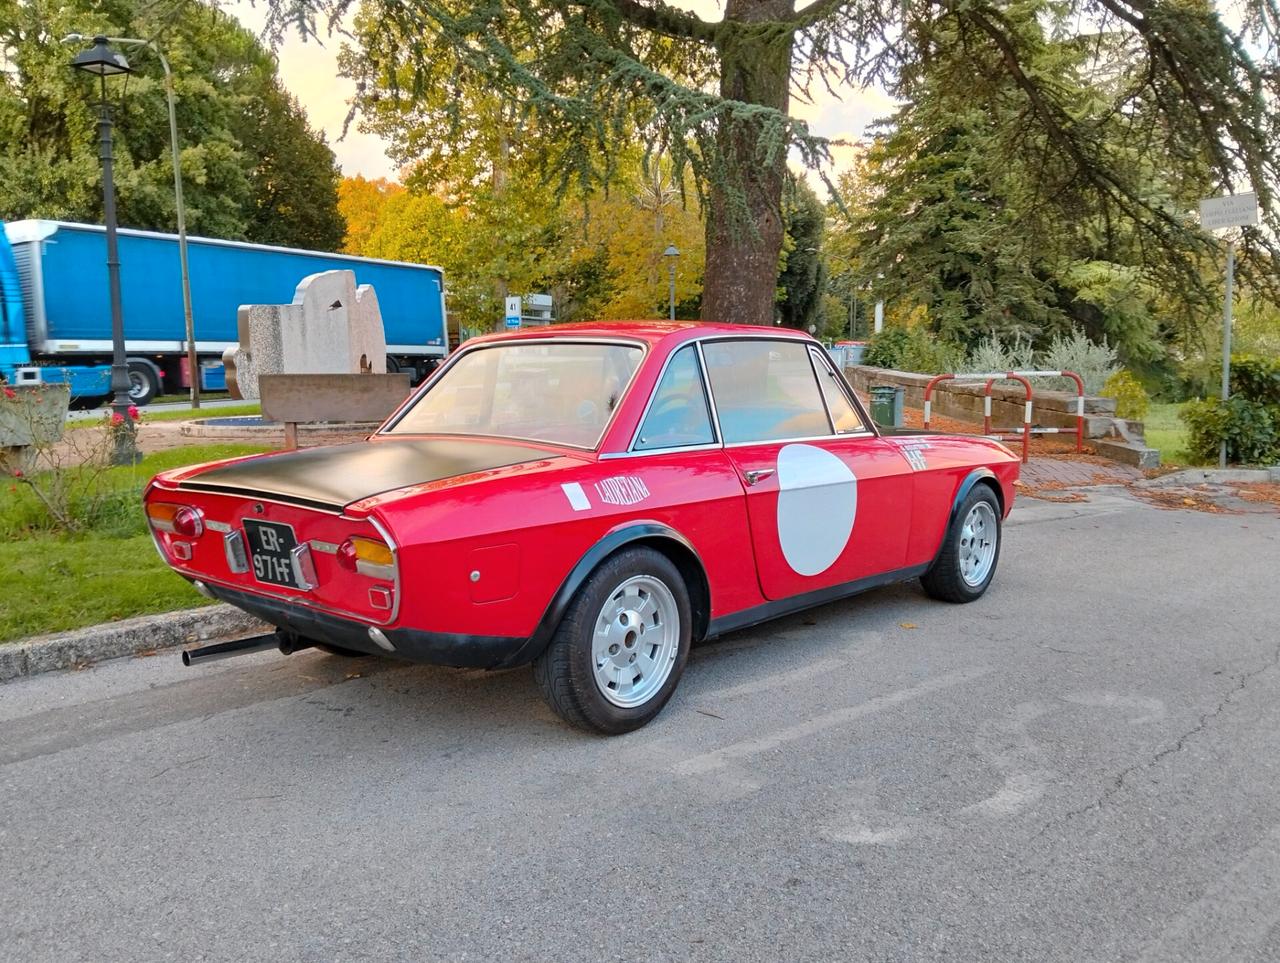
x=1093, y=362
x=992, y=354
x=912, y=349
x=1251, y=430
x=1131, y=398
x=1257, y=379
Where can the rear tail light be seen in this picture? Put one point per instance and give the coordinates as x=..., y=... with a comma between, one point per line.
x=175, y=519
x=368, y=556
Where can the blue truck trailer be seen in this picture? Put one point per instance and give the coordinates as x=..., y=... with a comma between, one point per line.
x=55, y=325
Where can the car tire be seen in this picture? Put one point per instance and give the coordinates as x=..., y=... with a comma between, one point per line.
x=967, y=561
x=143, y=385
x=621, y=647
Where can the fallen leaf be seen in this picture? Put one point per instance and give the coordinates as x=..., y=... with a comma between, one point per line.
x=909, y=625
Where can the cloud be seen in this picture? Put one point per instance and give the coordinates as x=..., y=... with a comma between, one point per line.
x=309, y=70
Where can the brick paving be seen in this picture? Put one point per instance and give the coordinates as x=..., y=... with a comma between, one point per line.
x=1059, y=472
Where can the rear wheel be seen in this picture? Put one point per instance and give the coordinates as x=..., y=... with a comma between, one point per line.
x=620, y=650
x=967, y=562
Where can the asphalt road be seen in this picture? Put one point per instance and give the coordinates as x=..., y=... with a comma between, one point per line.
x=1085, y=765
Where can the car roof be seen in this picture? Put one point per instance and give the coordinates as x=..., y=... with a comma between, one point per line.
x=648, y=331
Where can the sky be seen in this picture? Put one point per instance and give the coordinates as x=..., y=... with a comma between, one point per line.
x=310, y=72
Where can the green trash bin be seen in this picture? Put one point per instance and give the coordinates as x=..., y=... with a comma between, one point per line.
x=886, y=405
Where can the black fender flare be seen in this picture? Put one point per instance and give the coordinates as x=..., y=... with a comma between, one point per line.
x=612, y=541
x=981, y=474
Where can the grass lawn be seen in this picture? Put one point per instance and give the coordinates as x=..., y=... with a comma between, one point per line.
x=53, y=582
x=182, y=414
x=1166, y=432
x=222, y=411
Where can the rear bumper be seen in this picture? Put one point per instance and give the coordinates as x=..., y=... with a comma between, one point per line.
x=433, y=648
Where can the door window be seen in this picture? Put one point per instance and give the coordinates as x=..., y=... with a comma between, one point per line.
x=843, y=415
x=765, y=390
x=678, y=415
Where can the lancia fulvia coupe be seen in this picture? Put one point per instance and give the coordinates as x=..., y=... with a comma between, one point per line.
x=589, y=499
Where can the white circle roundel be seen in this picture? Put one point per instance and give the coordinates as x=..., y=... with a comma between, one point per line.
x=817, y=502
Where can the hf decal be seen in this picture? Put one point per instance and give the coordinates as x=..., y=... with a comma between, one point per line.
x=914, y=454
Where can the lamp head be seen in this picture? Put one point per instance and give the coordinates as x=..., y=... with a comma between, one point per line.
x=101, y=60
x=671, y=251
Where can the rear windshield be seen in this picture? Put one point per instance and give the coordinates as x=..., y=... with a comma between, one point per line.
x=560, y=393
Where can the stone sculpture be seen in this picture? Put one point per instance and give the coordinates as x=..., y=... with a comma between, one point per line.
x=332, y=327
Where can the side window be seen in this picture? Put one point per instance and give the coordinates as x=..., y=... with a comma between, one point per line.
x=843, y=415
x=678, y=415
x=765, y=390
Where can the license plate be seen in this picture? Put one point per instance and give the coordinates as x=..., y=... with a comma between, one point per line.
x=270, y=545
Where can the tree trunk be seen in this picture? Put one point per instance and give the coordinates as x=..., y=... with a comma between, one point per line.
x=744, y=217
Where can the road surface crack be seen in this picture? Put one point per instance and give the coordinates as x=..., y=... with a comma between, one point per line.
x=1120, y=780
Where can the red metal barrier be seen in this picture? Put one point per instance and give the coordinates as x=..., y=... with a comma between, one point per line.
x=1022, y=376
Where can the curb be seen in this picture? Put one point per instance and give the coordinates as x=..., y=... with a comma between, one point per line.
x=1212, y=476
x=127, y=637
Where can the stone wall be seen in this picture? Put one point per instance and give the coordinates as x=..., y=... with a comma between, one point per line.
x=1050, y=409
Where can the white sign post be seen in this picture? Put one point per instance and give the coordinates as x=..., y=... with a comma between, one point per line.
x=1216, y=213
x=513, y=312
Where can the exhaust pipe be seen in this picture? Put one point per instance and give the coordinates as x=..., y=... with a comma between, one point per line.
x=287, y=643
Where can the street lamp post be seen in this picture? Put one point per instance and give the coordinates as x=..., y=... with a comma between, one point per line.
x=672, y=253
x=193, y=369
x=104, y=62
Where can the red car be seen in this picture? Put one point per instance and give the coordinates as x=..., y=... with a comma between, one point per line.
x=590, y=499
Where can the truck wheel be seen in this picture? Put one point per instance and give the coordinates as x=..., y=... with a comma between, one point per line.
x=620, y=650
x=967, y=562
x=143, y=385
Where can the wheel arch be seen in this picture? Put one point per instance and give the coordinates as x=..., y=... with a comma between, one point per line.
x=978, y=476
x=649, y=534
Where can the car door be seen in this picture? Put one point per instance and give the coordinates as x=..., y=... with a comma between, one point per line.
x=828, y=502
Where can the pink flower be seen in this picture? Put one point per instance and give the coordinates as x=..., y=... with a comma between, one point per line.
x=133, y=412
x=17, y=473
x=10, y=393
x=117, y=418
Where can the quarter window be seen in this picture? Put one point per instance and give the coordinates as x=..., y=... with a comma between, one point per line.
x=678, y=414
x=765, y=390
x=843, y=415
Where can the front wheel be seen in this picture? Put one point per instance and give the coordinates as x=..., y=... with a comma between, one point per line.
x=620, y=650
x=967, y=562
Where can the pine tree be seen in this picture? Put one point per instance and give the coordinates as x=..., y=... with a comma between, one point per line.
x=715, y=96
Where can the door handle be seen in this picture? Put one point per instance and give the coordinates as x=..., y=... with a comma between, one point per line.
x=758, y=475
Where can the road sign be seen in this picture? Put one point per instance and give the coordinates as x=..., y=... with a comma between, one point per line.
x=1234, y=210
x=513, y=312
